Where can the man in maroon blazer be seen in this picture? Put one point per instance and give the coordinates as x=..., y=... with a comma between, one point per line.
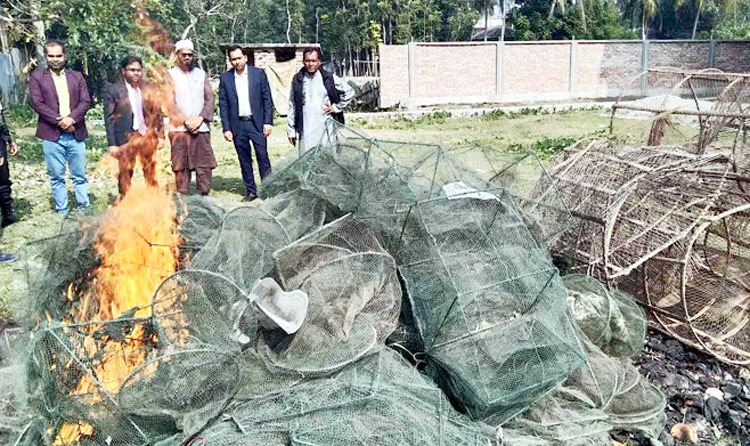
x=61, y=99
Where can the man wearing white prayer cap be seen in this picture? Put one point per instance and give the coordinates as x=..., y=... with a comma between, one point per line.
x=191, y=110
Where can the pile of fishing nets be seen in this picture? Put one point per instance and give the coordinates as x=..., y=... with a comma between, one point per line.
x=382, y=293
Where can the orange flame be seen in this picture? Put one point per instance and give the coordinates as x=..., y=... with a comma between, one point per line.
x=138, y=246
x=153, y=32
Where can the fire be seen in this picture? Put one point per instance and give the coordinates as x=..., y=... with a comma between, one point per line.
x=138, y=246
x=154, y=33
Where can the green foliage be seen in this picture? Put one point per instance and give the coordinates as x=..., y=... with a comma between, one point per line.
x=532, y=21
x=734, y=23
x=494, y=115
x=544, y=147
x=529, y=111
x=499, y=113
x=100, y=33
x=21, y=115
x=460, y=24
x=436, y=117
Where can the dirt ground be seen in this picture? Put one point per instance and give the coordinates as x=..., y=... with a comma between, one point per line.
x=711, y=397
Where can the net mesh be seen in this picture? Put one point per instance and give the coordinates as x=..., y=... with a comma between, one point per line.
x=395, y=245
x=702, y=110
x=612, y=320
x=481, y=283
x=354, y=293
x=527, y=182
x=669, y=226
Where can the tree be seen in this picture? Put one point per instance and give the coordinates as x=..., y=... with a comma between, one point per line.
x=735, y=20
x=532, y=21
x=699, y=6
x=487, y=8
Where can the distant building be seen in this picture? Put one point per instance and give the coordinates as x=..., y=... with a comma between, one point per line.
x=494, y=24
x=260, y=55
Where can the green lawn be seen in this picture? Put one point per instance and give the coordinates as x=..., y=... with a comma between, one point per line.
x=543, y=133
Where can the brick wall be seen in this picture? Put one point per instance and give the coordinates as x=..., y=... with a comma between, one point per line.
x=299, y=56
x=535, y=68
x=448, y=71
x=394, y=74
x=682, y=54
x=732, y=56
x=602, y=66
x=531, y=71
x=263, y=58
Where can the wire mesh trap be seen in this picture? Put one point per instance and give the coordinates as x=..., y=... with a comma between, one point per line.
x=700, y=109
x=671, y=227
x=383, y=238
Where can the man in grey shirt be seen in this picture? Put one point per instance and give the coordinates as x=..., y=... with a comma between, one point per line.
x=316, y=94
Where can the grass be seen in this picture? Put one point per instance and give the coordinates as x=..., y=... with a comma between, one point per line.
x=530, y=129
x=510, y=132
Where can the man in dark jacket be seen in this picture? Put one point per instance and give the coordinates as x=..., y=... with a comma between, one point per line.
x=61, y=98
x=246, y=110
x=315, y=95
x=134, y=123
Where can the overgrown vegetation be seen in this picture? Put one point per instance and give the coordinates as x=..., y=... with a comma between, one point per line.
x=544, y=147
x=21, y=115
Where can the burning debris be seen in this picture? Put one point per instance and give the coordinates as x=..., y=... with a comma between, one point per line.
x=394, y=250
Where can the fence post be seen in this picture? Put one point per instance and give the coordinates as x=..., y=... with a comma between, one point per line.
x=712, y=53
x=412, y=71
x=644, y=66
x=499, y=70
x=573, y=67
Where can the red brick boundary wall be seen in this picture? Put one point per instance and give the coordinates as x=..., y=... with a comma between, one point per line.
x=421, y=74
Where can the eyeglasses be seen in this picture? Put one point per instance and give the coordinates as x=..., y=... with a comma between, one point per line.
x=186, y=55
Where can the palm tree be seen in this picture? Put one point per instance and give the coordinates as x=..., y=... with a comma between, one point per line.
x=487, y=7
x=699, y=6
x=581, y=4
x=556, y=4
x=505, y=5
x=649, y=10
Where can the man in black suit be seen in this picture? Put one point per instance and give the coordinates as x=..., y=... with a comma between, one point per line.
x=134, y=123
x=246, y=111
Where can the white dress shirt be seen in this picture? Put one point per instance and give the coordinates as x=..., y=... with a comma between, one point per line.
x=241, y=84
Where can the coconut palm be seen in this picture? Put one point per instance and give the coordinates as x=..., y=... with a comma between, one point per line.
x=560, y=4
x=646, y=9
x=649, y=10
x=487, y=7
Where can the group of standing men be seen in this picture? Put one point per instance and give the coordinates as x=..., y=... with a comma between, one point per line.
x=134, y=121
x=246, y=109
